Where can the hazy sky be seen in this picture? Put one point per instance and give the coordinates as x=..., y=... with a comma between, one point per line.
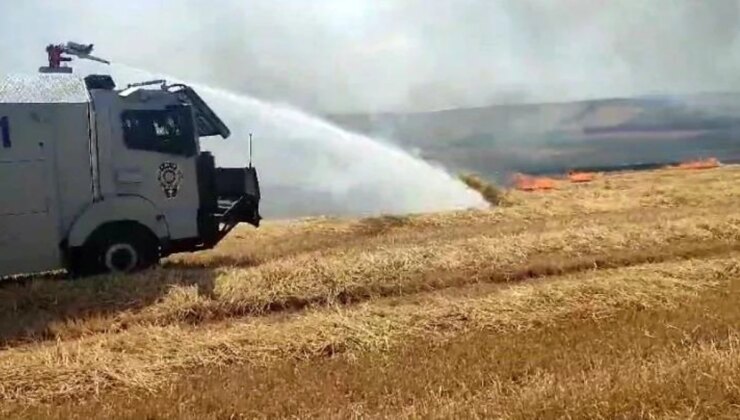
x=380, y=55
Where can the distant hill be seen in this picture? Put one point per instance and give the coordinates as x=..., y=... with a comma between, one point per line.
x=555, y=137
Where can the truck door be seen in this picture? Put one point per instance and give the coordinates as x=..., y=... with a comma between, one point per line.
x=28, y=223
x=157, y=160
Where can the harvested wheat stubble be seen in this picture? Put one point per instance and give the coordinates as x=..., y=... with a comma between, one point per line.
x=356, y=275
x=423, y=378
x=145, y=357
x=613, y=386
x=325, y=287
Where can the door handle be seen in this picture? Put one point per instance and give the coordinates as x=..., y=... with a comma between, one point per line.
x=129, y=176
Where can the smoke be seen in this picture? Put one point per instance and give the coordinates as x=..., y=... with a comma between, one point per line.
x=399, y=55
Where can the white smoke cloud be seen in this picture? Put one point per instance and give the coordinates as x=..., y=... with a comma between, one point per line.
x=380, y=55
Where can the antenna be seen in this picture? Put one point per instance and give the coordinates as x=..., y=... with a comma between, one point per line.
x=250, y=150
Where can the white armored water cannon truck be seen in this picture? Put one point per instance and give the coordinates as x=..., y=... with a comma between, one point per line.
x=97, y=179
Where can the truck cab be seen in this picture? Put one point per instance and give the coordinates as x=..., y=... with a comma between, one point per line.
x=98, y=179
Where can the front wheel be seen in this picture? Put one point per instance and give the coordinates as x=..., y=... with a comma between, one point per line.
x=119, y=249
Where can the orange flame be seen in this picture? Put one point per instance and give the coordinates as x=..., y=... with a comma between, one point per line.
x=530, y=183
x=580, y=177
x=700, y=164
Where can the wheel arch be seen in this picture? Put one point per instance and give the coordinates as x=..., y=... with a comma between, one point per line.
x=124, y=209
x=132, y=225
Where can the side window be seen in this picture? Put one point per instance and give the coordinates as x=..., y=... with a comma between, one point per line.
x=167, y=131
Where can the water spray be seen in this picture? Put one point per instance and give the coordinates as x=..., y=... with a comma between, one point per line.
x=313, y=167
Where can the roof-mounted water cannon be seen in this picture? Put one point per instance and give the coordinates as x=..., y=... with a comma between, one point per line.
x=56, y=56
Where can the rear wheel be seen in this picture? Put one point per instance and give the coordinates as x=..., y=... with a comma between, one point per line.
x=118, y=248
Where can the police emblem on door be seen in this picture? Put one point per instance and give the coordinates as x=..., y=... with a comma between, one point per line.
x=170, y=177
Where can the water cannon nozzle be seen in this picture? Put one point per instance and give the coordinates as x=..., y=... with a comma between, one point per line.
x=56, y=56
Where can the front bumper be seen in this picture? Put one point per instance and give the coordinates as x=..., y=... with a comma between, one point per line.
x=238, y=193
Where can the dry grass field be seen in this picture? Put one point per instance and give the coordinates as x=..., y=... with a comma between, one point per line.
x=614, y=298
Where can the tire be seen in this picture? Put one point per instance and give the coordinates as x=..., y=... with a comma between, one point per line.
x=118, y=248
